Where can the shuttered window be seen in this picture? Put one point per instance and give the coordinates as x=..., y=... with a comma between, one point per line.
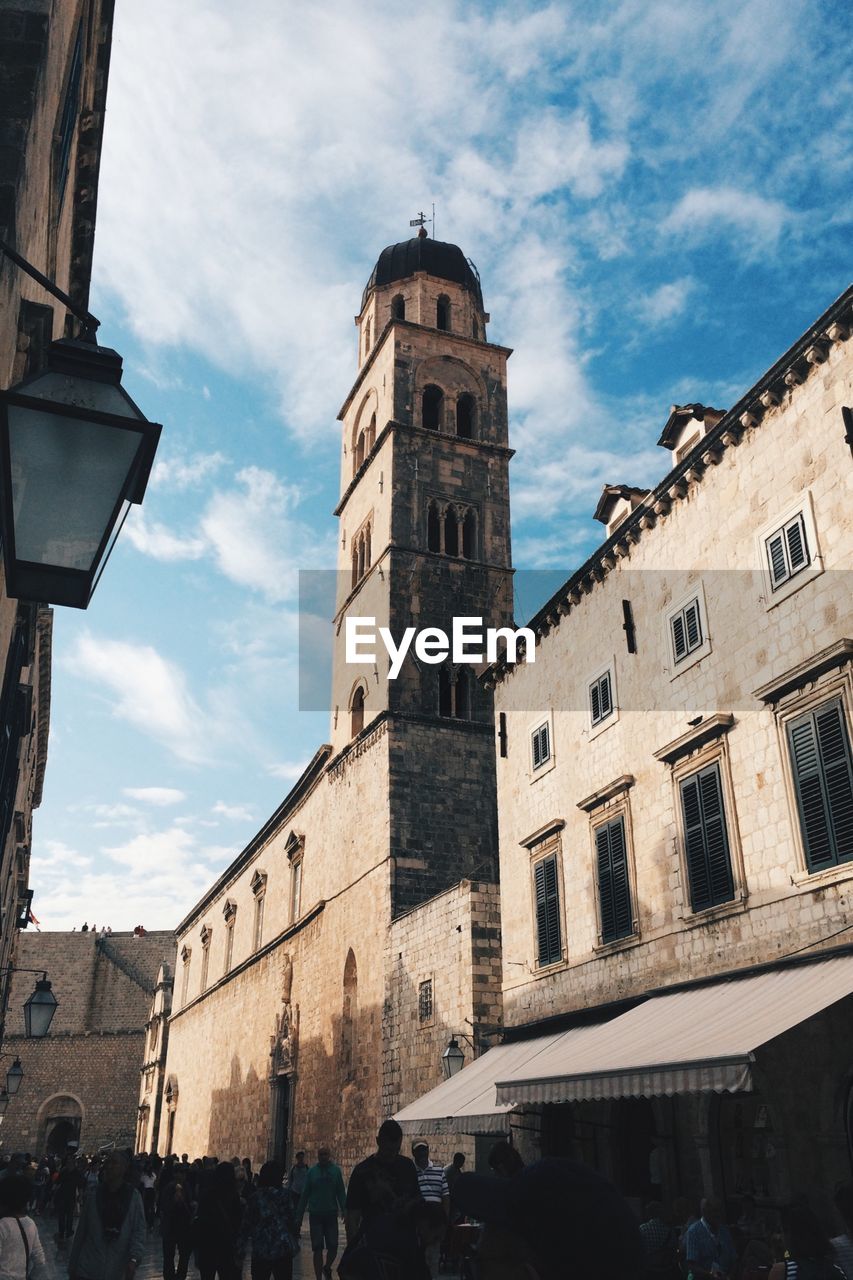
x=709, y=866
x=686, y=630
x=600, y=699
x=787, y=551
x=540, y=745
x=823, y=776
x=614, y=890
x=547, y=896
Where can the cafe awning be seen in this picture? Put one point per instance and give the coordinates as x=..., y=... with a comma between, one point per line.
x=698, y=1040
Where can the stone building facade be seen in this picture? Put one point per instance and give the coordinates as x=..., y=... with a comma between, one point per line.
x=676, y=801
x=54, y=59
x=376, y=874
x=153, y=1088
x=81, y=1083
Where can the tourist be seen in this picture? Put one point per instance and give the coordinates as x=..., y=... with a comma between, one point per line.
x=268, y=1226
x=147, y=1187
x=220, y=1213
x=176, y=1224
x=323, y=1195
x=296, y=1178
x=708, y=1245
x=453, y=1170
x=66, y=1187
x=843, y=1244
x=21, y=1252
x=433, y=1188
x=382, y=1190
x=808, y=1252
x=505, y=1161
x=553, y=1220
x=110, y=1237
x=660, y=1245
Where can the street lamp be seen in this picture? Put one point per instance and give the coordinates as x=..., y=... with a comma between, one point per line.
x=14, y=1076
x=453, y=1059
x=75, y=453
x=39, y=1008
x=4, y=1101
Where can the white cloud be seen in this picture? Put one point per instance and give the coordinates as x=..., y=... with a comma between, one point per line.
x=155, y=540
x=147, y=691
x=753, y=223
x=287, y=771
x=665, y=303
x=234, y=812
x=158, y=796
x=186, y=472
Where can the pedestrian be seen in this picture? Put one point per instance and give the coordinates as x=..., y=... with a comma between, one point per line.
x=66, y=1188
x=504, y=1160
x=453, y=1170
x=268, y=1226
x=660, y=1245
x=296, y=1178
x=433, y=1187
x=809, y=1253
x=553, y=1220
x=21, y=1252
x=85, y=928
x=708, y=1245
x=110, y=1237
x=323, y=1195
x=382, y=1190
x=176, y=1223
x=147, y=1186
x=220, y=1213
x=843, y=1244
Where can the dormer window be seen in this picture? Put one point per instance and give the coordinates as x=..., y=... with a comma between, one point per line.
x=686, y=426
x=616, y=503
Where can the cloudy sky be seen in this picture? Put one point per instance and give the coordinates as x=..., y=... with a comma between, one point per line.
x=656, y=196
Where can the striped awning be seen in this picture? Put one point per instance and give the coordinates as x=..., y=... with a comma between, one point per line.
x=699, y=1040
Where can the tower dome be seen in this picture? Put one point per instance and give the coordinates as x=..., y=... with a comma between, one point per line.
x=435, y=257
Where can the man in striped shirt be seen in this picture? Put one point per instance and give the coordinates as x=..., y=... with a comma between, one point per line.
x=432, y=1181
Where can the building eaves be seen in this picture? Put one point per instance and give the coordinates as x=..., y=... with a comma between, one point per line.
x=790, y=370
x=297, y=793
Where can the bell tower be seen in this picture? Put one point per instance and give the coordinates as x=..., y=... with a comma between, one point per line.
x=425, y=538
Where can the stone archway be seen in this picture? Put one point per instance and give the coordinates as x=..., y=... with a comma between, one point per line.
x=60, y=1124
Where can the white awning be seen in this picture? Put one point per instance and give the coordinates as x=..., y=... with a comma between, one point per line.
x=696, y=1041
x=466, y=1102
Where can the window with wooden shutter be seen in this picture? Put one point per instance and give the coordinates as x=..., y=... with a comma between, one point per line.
x=540, y=745
x=614, y=890
x=787, y=551
x=686, y=630
x=600, y=698
x=706, y=840
x=823, y=777
x=547, y=899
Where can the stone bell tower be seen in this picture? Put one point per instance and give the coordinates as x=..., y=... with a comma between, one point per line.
x=424, y=538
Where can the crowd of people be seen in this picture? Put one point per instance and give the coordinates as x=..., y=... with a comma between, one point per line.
x=405, y=1219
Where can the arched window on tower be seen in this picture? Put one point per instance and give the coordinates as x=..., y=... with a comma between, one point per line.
x=469, y=536
x=367, y=335
x=349, y=1014
x=361, y=565
x=451, y=533
x=355, y=562
x=357, y=712
x=432, y=403
x=445, y=692
x=442, y=313
x=370, y=435
x=367, y=557
x=433, y=528
x=462, y=694
x=358, y=456
x=465, y=416
x=398, y=307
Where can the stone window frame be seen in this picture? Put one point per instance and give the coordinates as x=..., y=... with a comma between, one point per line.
x=694, y=751
x=205, y=937
x=604, y=806
x=827, y=676
x=541, y=845
x=229, y=911
x=803, y=507
x=295, y=852
x=429, y=1019
x=677, y=668
x=605, y=722
x=541, y=770
x=259, y=893
x=186, y=956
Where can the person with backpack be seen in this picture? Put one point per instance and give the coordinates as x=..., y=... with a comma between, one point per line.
x=21, y=1252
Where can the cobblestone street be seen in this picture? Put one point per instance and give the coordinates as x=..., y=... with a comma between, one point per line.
x=151, y=1266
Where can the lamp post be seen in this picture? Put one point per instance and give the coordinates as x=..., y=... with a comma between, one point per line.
x=14, y=1076
x=75, y=453
x=453, y=1057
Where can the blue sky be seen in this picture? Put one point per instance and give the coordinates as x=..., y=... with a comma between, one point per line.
x=657, y=198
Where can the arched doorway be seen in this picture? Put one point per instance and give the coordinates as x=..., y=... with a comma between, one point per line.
x=60, y=1125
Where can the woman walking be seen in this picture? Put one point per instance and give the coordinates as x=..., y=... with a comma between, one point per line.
x=21, y=1252
x=268, y=1224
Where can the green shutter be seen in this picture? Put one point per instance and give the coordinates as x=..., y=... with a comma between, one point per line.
x=547, y=911
x=823, y=775
x=798, y=551
x=776, y=559
x=709, y=867
x=614, y=890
